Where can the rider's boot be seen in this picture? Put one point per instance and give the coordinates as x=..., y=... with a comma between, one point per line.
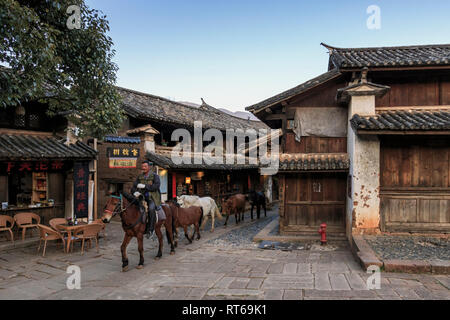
x=148, y=230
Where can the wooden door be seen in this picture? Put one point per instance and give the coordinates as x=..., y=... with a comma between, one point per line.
x=315, y=198
x=415, y=184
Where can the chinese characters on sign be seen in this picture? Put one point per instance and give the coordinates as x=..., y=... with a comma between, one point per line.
x=81, y=185
x=34, y=166
x=123, y=157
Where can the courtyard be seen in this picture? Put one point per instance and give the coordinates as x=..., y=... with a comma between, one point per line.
x=224, y=264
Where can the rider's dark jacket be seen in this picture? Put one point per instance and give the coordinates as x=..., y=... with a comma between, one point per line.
x=151, y=191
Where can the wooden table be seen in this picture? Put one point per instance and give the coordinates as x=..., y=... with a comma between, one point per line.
x=70, y=229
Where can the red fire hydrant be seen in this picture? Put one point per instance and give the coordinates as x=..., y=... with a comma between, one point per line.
x=323, y=233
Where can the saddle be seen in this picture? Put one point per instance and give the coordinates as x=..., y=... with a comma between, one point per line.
x=160, y=214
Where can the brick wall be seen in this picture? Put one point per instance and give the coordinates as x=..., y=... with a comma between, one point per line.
x=116, y=175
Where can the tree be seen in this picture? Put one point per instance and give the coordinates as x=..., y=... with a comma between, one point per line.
x=52, y=56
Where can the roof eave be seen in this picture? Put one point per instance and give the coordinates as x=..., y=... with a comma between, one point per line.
x=255, y=110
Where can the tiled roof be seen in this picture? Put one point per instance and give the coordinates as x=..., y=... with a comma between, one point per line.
x=35, y=147
x=313, y=161
x=404, y=120
x=163, y=159
x=149, y=107
x=424, y=55
x=295, y=91
x=118, y=139
x=144, y=129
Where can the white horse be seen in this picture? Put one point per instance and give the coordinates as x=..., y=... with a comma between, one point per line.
x=208, y=204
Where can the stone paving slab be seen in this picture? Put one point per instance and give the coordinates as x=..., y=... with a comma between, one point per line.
x=205, y=271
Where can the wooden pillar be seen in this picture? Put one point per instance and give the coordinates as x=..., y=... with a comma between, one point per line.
x=68, y=204
x=174, y=184
x=95, y=183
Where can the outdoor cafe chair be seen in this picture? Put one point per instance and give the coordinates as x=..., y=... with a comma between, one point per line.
x=103, y=229
x=4, y=221
x=88, y=232
x=57, y=221
x=25, y=220
x=46, y=234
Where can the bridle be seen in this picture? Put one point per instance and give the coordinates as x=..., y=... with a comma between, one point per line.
x=122, y=210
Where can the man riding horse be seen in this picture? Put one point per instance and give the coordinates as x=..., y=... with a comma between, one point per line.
x=147, y=185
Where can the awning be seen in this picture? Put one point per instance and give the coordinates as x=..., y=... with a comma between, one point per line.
x=392, y=121
x=39, y=147
x=164, y=160
x=314, y=161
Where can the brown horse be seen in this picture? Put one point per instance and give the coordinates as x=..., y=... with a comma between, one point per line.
x=133, y=223
x=184, y=217
x=234, y=205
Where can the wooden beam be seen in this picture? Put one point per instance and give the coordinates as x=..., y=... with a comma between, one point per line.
x=277, y=116
x=398, y=108
x=341, y=203
x=412, y=132
x=287, y=171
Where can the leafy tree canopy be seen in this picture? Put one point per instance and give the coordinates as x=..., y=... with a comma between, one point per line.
x=69, y=66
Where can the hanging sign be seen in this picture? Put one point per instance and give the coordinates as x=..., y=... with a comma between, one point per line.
x=122, y=162
x=122, y=157
x=81, y=189
x=33, y=166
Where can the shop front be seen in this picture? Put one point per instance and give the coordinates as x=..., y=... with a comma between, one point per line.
x=44, y=175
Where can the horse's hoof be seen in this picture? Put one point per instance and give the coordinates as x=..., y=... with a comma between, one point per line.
x=172, y=253
x=125, y=269
x=140, y=266
x=212, y=230
x=157, y=258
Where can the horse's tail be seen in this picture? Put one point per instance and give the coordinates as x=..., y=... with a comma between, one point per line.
x=217, y=212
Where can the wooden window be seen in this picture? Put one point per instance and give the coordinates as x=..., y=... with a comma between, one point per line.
x=34, y=120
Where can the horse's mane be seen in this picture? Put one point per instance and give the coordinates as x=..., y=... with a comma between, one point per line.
x=173, y=201
x=129, y=198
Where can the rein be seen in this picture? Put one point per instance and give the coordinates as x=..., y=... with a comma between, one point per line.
x=122, y=210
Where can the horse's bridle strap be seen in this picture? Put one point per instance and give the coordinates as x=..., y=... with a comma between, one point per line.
x=122, y=210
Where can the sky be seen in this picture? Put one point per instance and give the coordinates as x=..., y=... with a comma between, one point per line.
x=236, y=53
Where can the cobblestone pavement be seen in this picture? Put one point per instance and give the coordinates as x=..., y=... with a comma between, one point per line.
x=410, y=247
x=205, y=270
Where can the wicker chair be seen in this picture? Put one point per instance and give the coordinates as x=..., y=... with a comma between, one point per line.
x=4, y=221
x=46, y=234
x=25, y=221
x=57, y=221
x=87, y=232
x=103, y=229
